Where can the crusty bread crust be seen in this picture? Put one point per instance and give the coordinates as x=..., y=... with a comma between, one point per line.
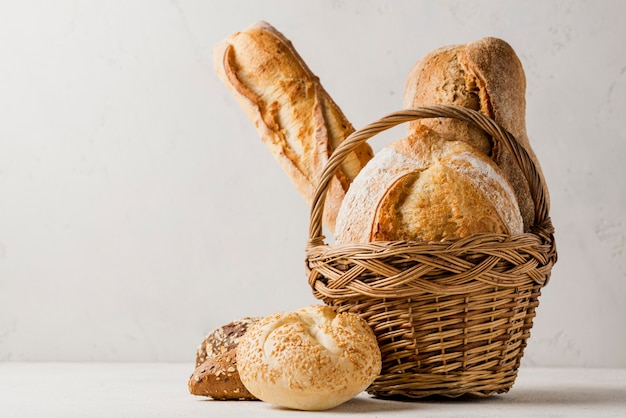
x=223, y=339
x=218, y=378
x=427, y=188
x=309, y=359
x=485, y=75
x=293, y=114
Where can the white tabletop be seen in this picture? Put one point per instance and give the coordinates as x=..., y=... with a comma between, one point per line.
x=160, y=390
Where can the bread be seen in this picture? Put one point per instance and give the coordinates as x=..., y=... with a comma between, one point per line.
x=309, y=359
x=427, y=188
x=223, y=339
x=293, y=114
x=485, y=75
x=218, y=378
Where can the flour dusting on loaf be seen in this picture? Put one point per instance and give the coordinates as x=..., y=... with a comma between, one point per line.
x=487, y=76
x=357, y=213
x=309, y=359
x=492, y=183
x=427, y=188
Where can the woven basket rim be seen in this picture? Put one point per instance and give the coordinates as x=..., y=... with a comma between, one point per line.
x=542, y=227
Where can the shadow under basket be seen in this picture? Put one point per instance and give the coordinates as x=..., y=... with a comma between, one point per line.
x=452, y=318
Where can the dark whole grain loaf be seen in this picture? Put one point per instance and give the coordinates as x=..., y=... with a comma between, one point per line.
x=218, y=378
x=223, y=339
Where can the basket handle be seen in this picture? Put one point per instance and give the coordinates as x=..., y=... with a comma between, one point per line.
x=527, y=165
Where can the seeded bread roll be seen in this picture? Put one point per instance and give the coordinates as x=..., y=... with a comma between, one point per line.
x=223, y=339
x=219, y=379
x=293, y=114
x=487, y=76
x=427, y=188
x=309, y=359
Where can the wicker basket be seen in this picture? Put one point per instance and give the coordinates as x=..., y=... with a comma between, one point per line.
x=452, y=318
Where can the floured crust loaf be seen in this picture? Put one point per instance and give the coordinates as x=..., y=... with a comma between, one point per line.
x=293, y=114
x=487, y=76
x=427, y=188
x=309, y=359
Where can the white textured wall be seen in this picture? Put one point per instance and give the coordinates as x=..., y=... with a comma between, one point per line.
x=139, y=209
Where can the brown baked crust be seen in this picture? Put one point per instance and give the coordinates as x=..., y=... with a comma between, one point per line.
x=485, y=75
x=218, y=378
x=428, y=188
x=223, y=339
x=309, y=359
x=293, y=114
x=440, y=78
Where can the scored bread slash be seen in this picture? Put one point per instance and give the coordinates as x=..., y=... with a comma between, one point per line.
x=487, y=76
x=427, y=188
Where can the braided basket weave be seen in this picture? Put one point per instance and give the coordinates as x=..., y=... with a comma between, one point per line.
x=452, y=318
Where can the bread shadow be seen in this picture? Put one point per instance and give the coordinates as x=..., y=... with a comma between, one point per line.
x=547, y=396
x=567, y=395
x=365, y=404
x=537, y=396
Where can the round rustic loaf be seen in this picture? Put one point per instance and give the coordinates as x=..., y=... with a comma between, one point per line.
x=485, y=75
x=309, y=359
x=427, y=188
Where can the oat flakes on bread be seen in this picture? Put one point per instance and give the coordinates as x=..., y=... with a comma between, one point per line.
x=293, y=114
x=223, y=339
x=487, y=76
x=218, y=378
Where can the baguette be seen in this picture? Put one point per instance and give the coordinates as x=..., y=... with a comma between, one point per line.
x=427, y=188
x=293, y=114
x=487, y=76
